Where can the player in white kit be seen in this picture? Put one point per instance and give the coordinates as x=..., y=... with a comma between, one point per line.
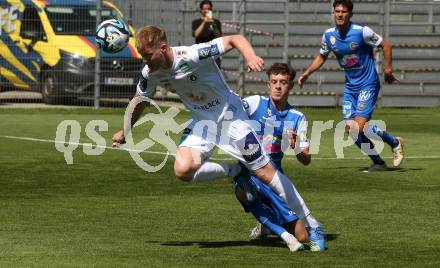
x=217, y=112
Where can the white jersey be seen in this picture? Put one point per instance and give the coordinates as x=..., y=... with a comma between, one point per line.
x=196, y=78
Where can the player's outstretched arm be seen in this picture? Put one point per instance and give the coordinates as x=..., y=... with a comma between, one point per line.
x=317, y=62
x=137, y=108
x=388, y=62
x=239, y=42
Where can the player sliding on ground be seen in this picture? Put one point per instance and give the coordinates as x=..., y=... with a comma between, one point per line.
x=278, y=122
x=353, y=46
x=273, y=214
x=219, y=118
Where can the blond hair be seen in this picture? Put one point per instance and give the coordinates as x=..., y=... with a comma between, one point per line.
x=149, y=36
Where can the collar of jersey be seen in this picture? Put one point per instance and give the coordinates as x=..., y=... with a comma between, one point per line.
x=350, y=24
x=274, y=110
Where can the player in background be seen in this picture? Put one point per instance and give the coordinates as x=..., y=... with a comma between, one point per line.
x=279, y=126
x=353, y=46
x=206, y=27
x=219, y=118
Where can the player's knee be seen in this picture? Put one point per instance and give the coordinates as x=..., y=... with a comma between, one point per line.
x=354, y=127
x=185, y=168
x=184, y=173
x=183, y=177
x=362, y=125
x=300, y=231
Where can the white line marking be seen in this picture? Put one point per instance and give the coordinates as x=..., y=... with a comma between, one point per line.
x=172, y=154
x=82, y=144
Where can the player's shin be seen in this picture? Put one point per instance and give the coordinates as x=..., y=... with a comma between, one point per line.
x=367, y=147
x=284, y=187
x=210, y=171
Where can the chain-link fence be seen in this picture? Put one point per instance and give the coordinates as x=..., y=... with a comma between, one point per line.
x=47, y=48
x=48, y=51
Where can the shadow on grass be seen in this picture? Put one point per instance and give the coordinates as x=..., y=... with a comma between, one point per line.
x=389, y=169
x=271, y=241
x=399, y=169
x=394, y=169
x=268, y=242
x=337, y=167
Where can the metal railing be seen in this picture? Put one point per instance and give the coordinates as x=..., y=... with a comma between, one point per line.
x=242, y=16
x=389, y=4
x=239, y=21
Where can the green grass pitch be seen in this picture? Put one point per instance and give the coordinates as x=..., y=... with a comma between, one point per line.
x=104, y=211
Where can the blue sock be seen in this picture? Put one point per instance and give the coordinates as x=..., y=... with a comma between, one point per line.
x=372, y=152
x=385, y=136
x=266, y=216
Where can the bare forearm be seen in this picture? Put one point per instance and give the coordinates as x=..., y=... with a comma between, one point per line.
x=134, y=111
x=137, y=112
x=316, y=64
x=135, y=108
x=387, y=55
x=240, y=43
x=388, y=62
x=199, y=30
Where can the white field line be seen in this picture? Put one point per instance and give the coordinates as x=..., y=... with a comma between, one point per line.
x=122, y=148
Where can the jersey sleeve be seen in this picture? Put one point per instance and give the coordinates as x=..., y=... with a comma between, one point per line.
x=250, y=104
x=325, y=50
x=370, y=37
x=301, y=131
x=202, y=51
x=144, y=88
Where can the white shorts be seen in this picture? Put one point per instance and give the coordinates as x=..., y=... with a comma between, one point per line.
x=232, y=135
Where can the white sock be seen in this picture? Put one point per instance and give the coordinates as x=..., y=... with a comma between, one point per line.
x=310, y=221
x=282, y=185
x=210, y=171
x=287, y=237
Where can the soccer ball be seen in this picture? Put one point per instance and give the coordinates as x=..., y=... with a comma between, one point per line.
x=112, y=35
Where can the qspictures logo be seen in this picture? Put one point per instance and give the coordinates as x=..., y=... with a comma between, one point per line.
x=162, y=125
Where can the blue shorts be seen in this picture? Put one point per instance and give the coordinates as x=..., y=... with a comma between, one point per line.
x=283, y=213
x=360, y=103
